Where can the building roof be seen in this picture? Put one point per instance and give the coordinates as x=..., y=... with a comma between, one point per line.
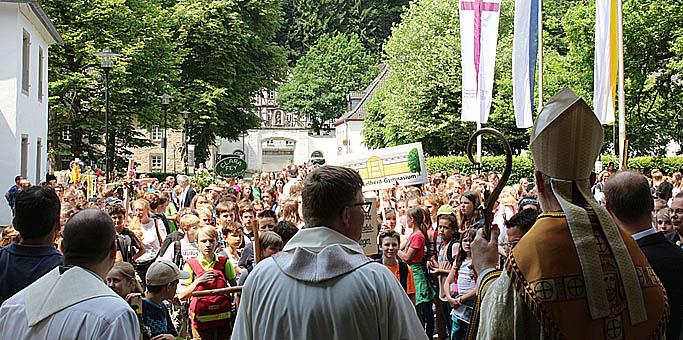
x=42, y=16
x=358, y=112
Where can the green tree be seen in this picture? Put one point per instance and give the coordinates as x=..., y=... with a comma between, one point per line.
x=139, y=31
x=414, y=160
x=322, y=78
x=229, y=52
x=423, y=88
x=420, y=100
x=308, y=20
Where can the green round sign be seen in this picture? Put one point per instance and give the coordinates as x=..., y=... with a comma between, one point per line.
x=231, y=166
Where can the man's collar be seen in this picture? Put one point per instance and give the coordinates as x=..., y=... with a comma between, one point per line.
x=644, y=233
x=317, y=238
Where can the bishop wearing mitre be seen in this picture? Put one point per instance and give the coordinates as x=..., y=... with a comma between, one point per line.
x=574, y=275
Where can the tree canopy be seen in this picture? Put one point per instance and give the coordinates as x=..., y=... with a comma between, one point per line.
x=305, y=21
x=139, y=31
x=424, y=83
x=211, y=56
x=228, y=53
x=322, y=78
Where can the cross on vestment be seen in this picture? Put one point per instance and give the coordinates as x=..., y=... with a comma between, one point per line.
x=544, y=290
x=478, y=6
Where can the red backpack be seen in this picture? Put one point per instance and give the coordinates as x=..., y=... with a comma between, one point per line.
x=213, y=311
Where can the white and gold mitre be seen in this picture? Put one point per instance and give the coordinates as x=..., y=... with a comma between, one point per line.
x=566, y=138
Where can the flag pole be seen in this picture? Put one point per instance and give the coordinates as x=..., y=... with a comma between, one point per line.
x=540, y=56
x=479, y=143
x=623, y=148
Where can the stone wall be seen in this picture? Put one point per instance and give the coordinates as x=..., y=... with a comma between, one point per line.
x=174, y=153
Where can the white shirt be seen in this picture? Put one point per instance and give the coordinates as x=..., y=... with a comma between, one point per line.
x=288, y=186
x=643, y=233
x=367, y=302
x=152, y=232
x=183, y=195
x=74, y=305
x=188, y=250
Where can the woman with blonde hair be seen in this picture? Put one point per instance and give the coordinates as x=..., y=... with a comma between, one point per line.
x=507, y=206
x=150, y=231
x=677, y=181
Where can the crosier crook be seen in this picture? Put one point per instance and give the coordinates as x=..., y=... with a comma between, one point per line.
x=493, y=197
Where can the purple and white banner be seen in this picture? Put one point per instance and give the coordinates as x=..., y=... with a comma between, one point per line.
x=478, y=39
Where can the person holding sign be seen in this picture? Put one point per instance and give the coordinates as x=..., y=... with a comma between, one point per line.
x=322, y=285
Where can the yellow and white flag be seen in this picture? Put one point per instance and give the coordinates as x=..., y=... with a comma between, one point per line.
x=606, y=60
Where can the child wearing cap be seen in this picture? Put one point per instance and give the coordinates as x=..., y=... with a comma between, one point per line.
x=162, y=282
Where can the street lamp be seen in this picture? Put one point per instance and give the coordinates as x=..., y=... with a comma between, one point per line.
x=185, y=136
x=165, y=101
x=106, y=55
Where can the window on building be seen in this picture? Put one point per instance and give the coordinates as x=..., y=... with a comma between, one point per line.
x=66, y=133
x=25, y=62
x=39, y=152
x=155, y=162
x=270, y=142
x=24, y=156
x=271, y=94
x=289, y=143
x=157, y=133
x=41, y=73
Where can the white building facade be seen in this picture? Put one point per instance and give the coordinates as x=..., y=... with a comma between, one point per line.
x=349, y=127
x=26, y=36
x=284, y=137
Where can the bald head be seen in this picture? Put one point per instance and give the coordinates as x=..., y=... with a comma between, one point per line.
x=628, y=197
x=88, y=238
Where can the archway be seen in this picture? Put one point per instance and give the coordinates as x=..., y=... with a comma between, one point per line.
x=276, y=153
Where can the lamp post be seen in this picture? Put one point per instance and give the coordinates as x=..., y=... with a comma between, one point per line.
x=165, y=101
x=106, y=55
x=185, y=136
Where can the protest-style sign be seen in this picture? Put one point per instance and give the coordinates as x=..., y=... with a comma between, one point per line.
x=368, y=238
x=383, y=168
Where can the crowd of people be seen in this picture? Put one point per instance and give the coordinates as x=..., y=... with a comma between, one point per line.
x=173, y=240
x=287, y=242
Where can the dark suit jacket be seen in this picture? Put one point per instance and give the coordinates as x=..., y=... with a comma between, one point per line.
x=672, y=236
x=189, y=197
x=667, y=261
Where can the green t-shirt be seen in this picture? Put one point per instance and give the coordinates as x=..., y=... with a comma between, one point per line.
x=229, y=270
